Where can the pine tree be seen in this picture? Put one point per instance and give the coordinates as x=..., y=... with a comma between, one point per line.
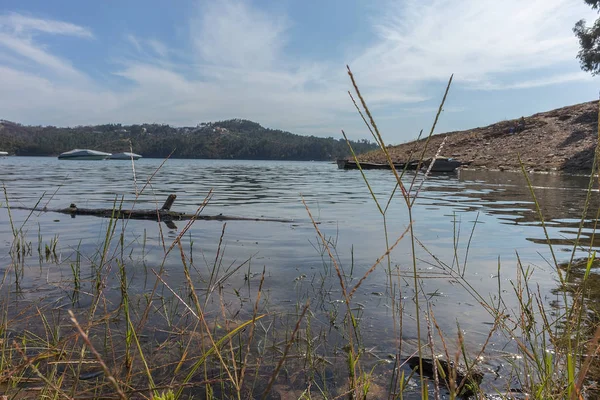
x=589, y=41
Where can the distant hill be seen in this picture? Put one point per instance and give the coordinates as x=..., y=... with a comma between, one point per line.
x=233, y=139
x=559, y=140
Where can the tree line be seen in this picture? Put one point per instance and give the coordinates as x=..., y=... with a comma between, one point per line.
x=233, y=139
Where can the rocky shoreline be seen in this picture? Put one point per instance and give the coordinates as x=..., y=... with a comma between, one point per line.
x=561, y=140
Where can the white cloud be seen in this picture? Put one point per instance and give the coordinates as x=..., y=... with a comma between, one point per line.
x=24, y=94
x=158, y=47
x=422, y=41
x=21, y=24
x=141, y=46
x=135, y=42
x=17, y=42
x=539, y=82
x=233, y=33
x=25, y=48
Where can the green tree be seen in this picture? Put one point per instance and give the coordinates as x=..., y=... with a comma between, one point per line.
x=589, y=41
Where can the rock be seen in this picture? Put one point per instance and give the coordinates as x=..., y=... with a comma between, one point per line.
x=90, y=375
x=474, y=375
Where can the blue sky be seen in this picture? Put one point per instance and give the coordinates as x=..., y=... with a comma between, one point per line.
x=282, y=63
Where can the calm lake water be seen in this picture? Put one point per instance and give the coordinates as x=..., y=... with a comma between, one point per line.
x=444, y=216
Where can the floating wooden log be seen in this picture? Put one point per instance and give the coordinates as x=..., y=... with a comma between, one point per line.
x=164, y=214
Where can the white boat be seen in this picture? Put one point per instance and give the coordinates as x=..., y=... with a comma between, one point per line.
x=83, y=154
x=3, y=153
x=124, y=156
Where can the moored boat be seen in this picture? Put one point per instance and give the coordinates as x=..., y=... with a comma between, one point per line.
x=443, y=164
x=351, y=164
x=83, y=154
x=3, y=153
x=341, y=163
x=124, y=156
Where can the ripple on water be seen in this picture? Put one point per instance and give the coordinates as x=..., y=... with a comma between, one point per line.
x=443, y=218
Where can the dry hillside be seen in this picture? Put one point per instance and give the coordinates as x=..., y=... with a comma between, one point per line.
x=559, y=140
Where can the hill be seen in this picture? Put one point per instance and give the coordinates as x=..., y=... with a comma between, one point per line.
x=559, y=140
x=234, y=139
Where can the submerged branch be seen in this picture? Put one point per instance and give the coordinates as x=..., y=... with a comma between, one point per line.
x=163, y=214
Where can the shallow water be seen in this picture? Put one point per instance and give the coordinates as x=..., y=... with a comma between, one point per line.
x=296, y=266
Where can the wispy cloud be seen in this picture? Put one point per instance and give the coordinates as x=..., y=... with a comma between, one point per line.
x=22, y=24
x=158, y=47
x=548, y=80
x=235, y=34
x=148, y=47
x=17, y=39
x=135, y=42
x=421, y=41
x=25, y=48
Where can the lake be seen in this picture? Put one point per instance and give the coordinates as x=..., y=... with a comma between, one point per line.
x=488, y=218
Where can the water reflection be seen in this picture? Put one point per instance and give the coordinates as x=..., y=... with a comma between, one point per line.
x=583, y=289
x=562, y=201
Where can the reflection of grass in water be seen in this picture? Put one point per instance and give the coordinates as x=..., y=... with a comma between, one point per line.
x=583, y=288
x=207, y=338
